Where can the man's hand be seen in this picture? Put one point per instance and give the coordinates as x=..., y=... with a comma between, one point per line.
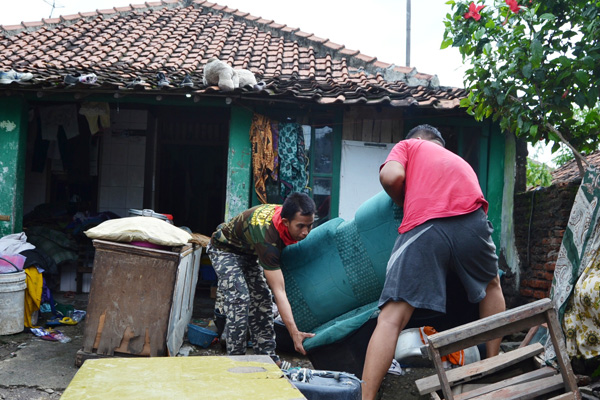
x=298, y=338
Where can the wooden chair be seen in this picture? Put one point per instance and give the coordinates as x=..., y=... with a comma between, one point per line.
x=526, y=385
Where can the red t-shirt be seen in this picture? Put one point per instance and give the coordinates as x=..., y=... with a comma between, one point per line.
x=438, y=183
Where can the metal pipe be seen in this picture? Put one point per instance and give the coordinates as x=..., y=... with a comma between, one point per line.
x=408, y=33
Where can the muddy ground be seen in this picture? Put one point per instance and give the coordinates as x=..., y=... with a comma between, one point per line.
x=34, y=369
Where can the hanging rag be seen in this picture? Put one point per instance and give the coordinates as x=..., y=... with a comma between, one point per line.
x=263, y=156
x=55, y=116
x=574, y=290
x=292, y=159
x=275, y=132
x=95, y=111
x=33, y=293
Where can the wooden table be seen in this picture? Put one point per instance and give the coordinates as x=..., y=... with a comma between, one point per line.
x=164, y=378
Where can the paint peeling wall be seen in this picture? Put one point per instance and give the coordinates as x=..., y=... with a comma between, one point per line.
x=239, y=163
x=13, y=136
x=507, y=242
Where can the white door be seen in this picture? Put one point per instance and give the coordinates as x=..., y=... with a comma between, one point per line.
x=359, y=180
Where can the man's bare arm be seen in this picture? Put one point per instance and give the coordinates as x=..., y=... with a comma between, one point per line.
x=392, y=177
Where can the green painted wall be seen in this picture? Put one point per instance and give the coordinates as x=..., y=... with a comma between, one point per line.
x=239, y=163
x=495, y=179
x=13, y=143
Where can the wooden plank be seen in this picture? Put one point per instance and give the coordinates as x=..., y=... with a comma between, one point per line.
x=498, y=325
x=480, y=368
x=347, y=128
x=376, y=136
x=558, y=340
x=527, y=390
x=566, y=396
x=358, y=123
x=527, y=377
x=441, y=372
x=386, y=131
x=397, y=134
x=532, y=331
x=367, y=130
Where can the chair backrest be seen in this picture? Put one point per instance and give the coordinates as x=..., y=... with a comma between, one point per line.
x=341, y=265
x=495, y=326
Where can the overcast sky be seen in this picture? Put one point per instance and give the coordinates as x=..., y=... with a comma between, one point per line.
x=377, y=27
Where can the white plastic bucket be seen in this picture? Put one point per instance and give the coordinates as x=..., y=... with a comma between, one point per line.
x=12, y=302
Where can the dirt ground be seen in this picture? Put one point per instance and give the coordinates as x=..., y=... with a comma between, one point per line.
x=34, y=369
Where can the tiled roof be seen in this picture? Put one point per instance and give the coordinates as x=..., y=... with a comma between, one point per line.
x=178, y=37
x=569, y=172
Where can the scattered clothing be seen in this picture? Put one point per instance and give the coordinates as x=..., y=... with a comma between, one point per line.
x=54, y=243
x=55, y=116
x=14, y=76
x=94, y=112
x=15, y=243
x=33, y=294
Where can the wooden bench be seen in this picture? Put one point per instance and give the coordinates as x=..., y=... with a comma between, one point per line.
x=526, y=385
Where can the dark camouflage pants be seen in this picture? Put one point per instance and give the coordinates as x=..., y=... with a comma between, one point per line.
x=247, y=302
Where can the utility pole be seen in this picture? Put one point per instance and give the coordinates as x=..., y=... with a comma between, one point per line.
x=408, y=33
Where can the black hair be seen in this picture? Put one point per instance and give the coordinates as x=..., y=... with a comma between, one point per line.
x=428, y=132
x=297, y=202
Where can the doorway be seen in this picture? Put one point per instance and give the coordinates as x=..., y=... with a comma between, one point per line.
x=192, y=167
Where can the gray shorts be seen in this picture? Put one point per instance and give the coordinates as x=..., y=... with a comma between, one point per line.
x=417, y=269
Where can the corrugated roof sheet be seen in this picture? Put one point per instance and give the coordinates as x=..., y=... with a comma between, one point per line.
x=178, y=38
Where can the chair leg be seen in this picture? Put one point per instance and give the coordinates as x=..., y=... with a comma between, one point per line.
x=556, y=335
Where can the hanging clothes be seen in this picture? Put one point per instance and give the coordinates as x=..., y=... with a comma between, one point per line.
x=95, y=111
x=263, y=154
x=55, y=116
x=292, y=159
x=275, y=132
x=33, y=294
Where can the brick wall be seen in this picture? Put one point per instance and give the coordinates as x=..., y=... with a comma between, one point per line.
x=541, y=217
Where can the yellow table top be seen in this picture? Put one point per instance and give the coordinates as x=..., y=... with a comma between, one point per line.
x=181, y=378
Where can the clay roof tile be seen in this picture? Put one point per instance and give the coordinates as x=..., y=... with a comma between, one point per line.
x=144, y=38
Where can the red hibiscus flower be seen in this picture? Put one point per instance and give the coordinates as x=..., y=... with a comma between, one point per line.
x=514, y=6
x=474, y=12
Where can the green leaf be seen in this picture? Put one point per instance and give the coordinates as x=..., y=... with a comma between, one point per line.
x=526, y=70
x=580, y=99
x=533, y=130
x=536, y=53
x=479, y=33
x=548, y=16
x=446, y=43
x=582, y=77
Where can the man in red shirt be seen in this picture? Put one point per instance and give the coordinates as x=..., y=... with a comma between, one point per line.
x=445, y=227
